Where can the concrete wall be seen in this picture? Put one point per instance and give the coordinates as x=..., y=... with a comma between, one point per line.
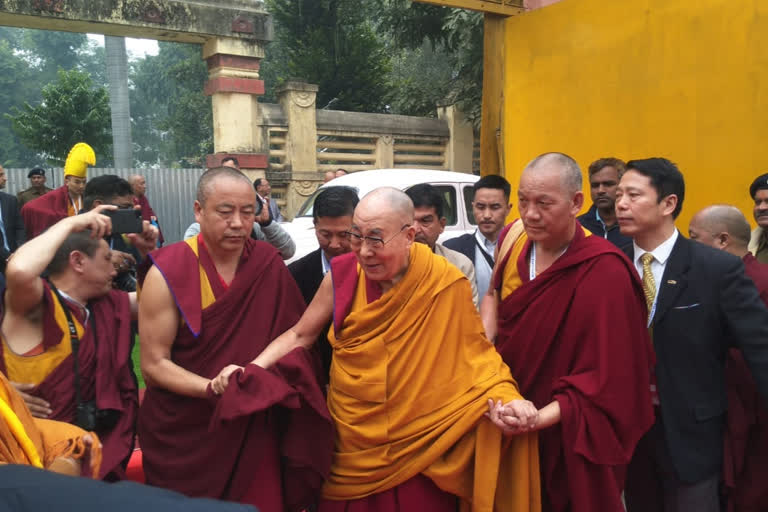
x=683, y=79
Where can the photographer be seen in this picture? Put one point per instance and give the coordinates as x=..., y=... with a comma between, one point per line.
x=67, y=342
x=114, y=190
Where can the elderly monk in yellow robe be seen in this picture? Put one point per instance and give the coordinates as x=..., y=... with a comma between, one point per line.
x=53, y=445
x=418, y=395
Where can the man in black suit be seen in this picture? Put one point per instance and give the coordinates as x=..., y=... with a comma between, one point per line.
x=11, y=225
x=490, y=207
x=332, y=213
x=699, y=299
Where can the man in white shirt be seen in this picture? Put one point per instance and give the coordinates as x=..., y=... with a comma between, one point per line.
x=263, y=189
x=490, y=206
x=700, y=303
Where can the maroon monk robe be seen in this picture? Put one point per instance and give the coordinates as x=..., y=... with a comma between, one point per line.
x=577, y=334
x=267, y=440
x=745, y=458
x=106, y=374
x=147, y=213
x=45, y=211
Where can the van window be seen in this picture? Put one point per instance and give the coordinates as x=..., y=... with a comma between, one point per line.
x=448, y=192
x=307, y=208
x=469, y=194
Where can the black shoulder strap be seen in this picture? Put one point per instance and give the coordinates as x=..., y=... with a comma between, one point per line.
x=488, y=257
x=74, y=340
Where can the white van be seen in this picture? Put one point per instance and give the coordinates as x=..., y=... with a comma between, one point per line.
x=455, y=187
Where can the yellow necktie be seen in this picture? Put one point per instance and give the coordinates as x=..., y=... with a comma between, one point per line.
x=649, y=284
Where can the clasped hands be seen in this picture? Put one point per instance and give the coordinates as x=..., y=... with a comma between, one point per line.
x=514, y=417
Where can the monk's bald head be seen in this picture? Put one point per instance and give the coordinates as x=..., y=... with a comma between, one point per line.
x=210, y=177
x=562, y=165
x=389, y=203
x=714, y=220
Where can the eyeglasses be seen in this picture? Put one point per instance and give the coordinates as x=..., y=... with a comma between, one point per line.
x=373, y=242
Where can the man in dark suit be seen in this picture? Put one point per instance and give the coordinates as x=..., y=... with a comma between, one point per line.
x=11, y=225
x=332, y=214
x=699, y=301
x=490, y=207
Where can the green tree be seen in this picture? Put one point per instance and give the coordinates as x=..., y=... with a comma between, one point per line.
x=172, y=117
x=440, y=52
x=331, y=43
x=16, y=87
x=72, y=110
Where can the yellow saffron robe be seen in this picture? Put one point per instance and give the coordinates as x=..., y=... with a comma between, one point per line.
x=410, y=379
x=38, y=442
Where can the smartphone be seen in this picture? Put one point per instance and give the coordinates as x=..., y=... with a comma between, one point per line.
x=125, y=220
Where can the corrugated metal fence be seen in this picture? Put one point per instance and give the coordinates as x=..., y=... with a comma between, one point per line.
x=171, y=192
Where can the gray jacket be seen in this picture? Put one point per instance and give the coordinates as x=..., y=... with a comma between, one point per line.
x=273, y=234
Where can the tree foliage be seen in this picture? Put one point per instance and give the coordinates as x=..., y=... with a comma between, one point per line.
x=72, y=110
x=172, y=118
x=330, y=43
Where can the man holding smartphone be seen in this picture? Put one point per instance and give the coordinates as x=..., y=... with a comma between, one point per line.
x=114, y=190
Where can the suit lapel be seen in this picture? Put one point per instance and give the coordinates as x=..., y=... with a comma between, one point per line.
x=675, y=278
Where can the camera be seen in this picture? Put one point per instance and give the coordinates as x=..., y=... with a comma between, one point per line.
x=91, y=418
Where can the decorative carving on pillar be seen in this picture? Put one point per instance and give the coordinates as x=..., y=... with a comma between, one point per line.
x=305, y=188
x=304, y=99
x=154, y=15
x=387, y=140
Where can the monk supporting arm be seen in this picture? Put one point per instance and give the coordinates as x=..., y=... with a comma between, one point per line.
x=158, y=323
x=306, y=330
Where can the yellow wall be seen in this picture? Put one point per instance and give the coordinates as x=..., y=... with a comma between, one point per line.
x=682, y=79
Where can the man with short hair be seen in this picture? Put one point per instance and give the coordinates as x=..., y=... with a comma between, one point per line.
x=264, y=190
x=411, y=379
x=700, y=303
x=559, y=292
x=429, y=222
x=139, y=185
x=66, y=340
x=332, y=216
x=11, y=226
x=758, y=243
x=114, y=190
x=724, y=227
x=209, y=305
x=600, y=219
x=340, y=172
x=37, y=187
x=490, y=207
x=67, y=200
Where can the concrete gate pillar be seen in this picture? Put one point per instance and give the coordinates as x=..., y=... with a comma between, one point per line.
x=234, y=86
x=301, y=178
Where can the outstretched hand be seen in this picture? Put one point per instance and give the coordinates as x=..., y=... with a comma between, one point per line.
x=220, y=382
x=514, y=417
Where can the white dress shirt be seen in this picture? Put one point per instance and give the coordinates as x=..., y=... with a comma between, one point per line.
x=660, y=257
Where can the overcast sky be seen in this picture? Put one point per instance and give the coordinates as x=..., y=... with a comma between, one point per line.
x=137, y=48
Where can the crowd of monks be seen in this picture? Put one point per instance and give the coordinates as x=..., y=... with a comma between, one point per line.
x=588, y=375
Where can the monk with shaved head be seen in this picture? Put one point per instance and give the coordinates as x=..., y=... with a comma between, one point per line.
x=416, y=390
x=209, y=305
x=139, y=186
x=724, y=227
x=568, y=316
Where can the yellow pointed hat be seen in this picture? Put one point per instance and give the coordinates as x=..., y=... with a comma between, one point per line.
x=80, y=157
